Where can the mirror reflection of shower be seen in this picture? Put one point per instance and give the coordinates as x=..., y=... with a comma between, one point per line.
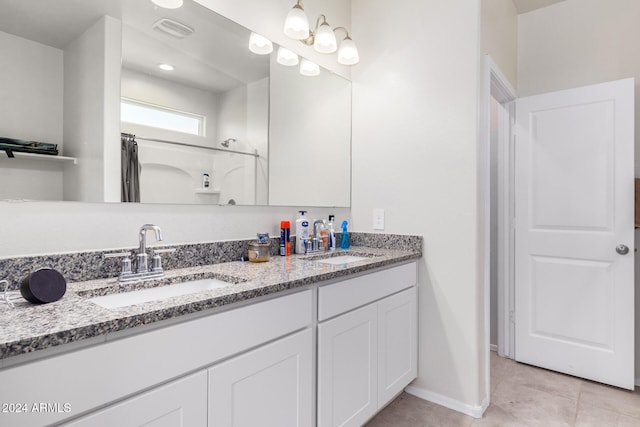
x=226, y=142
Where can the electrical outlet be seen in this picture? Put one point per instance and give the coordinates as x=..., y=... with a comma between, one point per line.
x=378, y=219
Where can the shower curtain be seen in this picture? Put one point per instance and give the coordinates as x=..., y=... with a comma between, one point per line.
x=130, y=169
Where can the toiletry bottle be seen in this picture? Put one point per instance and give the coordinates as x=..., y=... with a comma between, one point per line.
x=332, y=233
x=205, y=180
x=344, y=242
x=323, y=234
x=285, y=238
x=302, y=232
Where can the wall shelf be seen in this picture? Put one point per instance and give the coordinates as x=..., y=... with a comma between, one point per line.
x=34, y=156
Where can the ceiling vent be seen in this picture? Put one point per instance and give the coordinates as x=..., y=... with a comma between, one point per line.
x=173, y=28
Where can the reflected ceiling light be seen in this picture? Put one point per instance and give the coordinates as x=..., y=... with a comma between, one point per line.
x=323, y=37
x=308, y=68
x=166, y=67
x=296, y=25
x=168, y=4
x=260, y=45
x=286, y=57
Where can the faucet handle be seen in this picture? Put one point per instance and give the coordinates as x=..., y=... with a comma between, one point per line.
x=116, y=255
x=163, y=251
x=156, y=261
x=126, y=261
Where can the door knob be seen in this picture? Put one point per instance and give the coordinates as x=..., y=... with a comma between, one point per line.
x=622, y=249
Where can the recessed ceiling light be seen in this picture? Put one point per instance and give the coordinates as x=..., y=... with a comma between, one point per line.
x=168, y=4
x=166, y=67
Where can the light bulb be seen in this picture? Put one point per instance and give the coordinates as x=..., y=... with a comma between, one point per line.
x=348, y=53
x=260, y=45
x=286, y=57
x=308, y=68
x=168, y=4
x=325, y=41
x=296, y=25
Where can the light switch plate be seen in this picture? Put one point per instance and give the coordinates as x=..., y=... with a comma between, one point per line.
x=378, y=219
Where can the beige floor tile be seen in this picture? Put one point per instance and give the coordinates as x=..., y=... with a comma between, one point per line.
x=501, y=368
x=525, y=396
x=611, y=398
x=409, y=411
x=495, y=416
x=545, y=380
x=533, y=406
x=591, y=416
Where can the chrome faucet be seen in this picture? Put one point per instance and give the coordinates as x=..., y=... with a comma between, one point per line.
x=142, y=270
x=142, y=249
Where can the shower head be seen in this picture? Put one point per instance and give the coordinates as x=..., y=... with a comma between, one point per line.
x=226, y=142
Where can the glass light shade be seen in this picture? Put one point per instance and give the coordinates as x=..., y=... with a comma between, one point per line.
x=296, y=25
x=286, y=57
x=168, y=4
x=348, y=53
x=308, y=68
x=325, y=41
x=260, y=45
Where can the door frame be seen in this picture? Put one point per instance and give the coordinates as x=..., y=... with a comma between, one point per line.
x=495, y=84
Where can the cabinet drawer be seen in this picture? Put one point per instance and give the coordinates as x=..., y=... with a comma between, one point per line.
x=341, y=297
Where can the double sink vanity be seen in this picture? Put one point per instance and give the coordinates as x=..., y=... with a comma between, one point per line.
x=304, y=340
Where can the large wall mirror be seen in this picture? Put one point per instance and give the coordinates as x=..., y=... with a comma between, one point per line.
x=225, y=126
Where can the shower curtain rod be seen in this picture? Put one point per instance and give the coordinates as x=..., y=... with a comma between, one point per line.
x=164, y=141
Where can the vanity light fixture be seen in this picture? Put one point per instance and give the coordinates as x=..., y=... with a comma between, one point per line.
x=323, y=37
x=260, y=45
x=286, y=57
x=166, y=67
x=168, y=4
x=296, y=25
x=308, y=68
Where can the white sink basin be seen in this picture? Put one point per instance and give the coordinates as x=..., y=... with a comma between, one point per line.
x=343, y=259
x=157, y=294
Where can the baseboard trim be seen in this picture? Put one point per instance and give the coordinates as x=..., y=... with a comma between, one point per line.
x=474, y=411
x=493, y=347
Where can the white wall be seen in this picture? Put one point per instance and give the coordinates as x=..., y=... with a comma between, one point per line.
x=91, y=103
x=498, y=39
x=602, y=45
x=499, y=36
x=35, y=227
x=309, y=159
x=258, y=133
x=414, y=154
x=31, y=87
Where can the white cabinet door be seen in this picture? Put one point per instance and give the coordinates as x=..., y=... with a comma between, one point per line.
x=269, y=386
x=397, y=343
x=181, y=403
x=348, y=368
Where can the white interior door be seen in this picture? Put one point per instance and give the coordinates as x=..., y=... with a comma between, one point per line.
x=574, y=192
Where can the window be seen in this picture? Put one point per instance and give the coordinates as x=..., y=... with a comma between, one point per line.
x=156, y=116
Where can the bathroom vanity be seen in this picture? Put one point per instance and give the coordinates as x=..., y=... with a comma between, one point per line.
x=297, y=341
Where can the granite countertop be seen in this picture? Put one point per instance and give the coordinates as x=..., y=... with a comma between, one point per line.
x=27, y=328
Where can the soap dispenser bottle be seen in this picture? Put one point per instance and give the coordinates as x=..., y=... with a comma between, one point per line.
x=302, y=232
x=332, y=233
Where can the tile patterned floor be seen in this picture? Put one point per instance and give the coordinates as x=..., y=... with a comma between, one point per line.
x=525, y=396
